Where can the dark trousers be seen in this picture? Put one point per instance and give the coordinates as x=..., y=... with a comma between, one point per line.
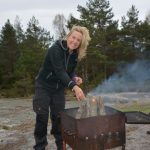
x=43, y=101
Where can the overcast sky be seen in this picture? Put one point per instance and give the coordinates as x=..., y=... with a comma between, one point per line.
x=45, y=10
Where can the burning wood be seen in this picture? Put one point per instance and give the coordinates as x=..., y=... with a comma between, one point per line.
x=91, y=106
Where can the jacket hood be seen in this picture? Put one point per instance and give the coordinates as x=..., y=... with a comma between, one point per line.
x=63, y=44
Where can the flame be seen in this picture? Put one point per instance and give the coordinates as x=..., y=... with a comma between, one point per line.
x=93, y=100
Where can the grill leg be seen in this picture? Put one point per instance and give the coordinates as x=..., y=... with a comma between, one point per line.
x=64, y=145
x=123, y=147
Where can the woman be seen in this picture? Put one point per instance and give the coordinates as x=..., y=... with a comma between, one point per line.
x=56, y=73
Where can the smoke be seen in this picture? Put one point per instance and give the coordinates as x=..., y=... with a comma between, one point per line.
x=130, y=78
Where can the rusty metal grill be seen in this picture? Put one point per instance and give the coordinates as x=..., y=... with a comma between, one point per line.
x=136, y=117
x=94, y=133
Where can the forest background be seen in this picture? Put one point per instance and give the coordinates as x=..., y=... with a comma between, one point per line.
x=111, y=49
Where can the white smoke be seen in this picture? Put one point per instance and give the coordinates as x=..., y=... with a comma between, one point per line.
x=130, y=78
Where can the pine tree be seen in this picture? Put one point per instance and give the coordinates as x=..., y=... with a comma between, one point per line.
x=32, y=52
x=129, y=32
x=132, y=19
x=8, y=54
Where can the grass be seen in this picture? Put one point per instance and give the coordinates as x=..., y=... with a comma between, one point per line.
x=134, y=106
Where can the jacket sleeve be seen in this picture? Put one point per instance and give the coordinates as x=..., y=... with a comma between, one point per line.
x=56, y=58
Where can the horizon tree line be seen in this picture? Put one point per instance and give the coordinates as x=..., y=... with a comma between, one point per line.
x=22, y=52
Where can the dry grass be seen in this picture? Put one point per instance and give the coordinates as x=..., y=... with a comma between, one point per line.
x=135, y=106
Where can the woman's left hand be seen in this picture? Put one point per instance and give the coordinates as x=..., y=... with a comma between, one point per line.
x=78, y=80
x=78, y=93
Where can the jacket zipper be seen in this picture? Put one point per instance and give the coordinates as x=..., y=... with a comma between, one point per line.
x=57, y=85
x=67, y=61
x=48, y=75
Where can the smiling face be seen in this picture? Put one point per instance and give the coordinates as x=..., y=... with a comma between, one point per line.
x=74, y=40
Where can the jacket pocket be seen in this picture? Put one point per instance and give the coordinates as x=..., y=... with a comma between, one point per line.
x=40, y=101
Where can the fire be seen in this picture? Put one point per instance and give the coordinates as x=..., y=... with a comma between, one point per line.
x=93, y=100
x=92, y=106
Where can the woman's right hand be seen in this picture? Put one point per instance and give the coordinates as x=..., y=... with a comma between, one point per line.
x=79, y=93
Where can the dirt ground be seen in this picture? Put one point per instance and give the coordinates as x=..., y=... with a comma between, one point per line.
x=17, y=121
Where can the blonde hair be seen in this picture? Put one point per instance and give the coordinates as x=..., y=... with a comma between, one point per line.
x=85, y=39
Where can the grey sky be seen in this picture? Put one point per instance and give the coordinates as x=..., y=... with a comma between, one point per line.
x=45, y=10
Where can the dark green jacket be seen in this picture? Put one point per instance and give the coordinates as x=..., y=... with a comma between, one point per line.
x=58, y=68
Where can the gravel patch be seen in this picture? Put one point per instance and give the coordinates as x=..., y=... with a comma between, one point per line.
x=17, y=121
